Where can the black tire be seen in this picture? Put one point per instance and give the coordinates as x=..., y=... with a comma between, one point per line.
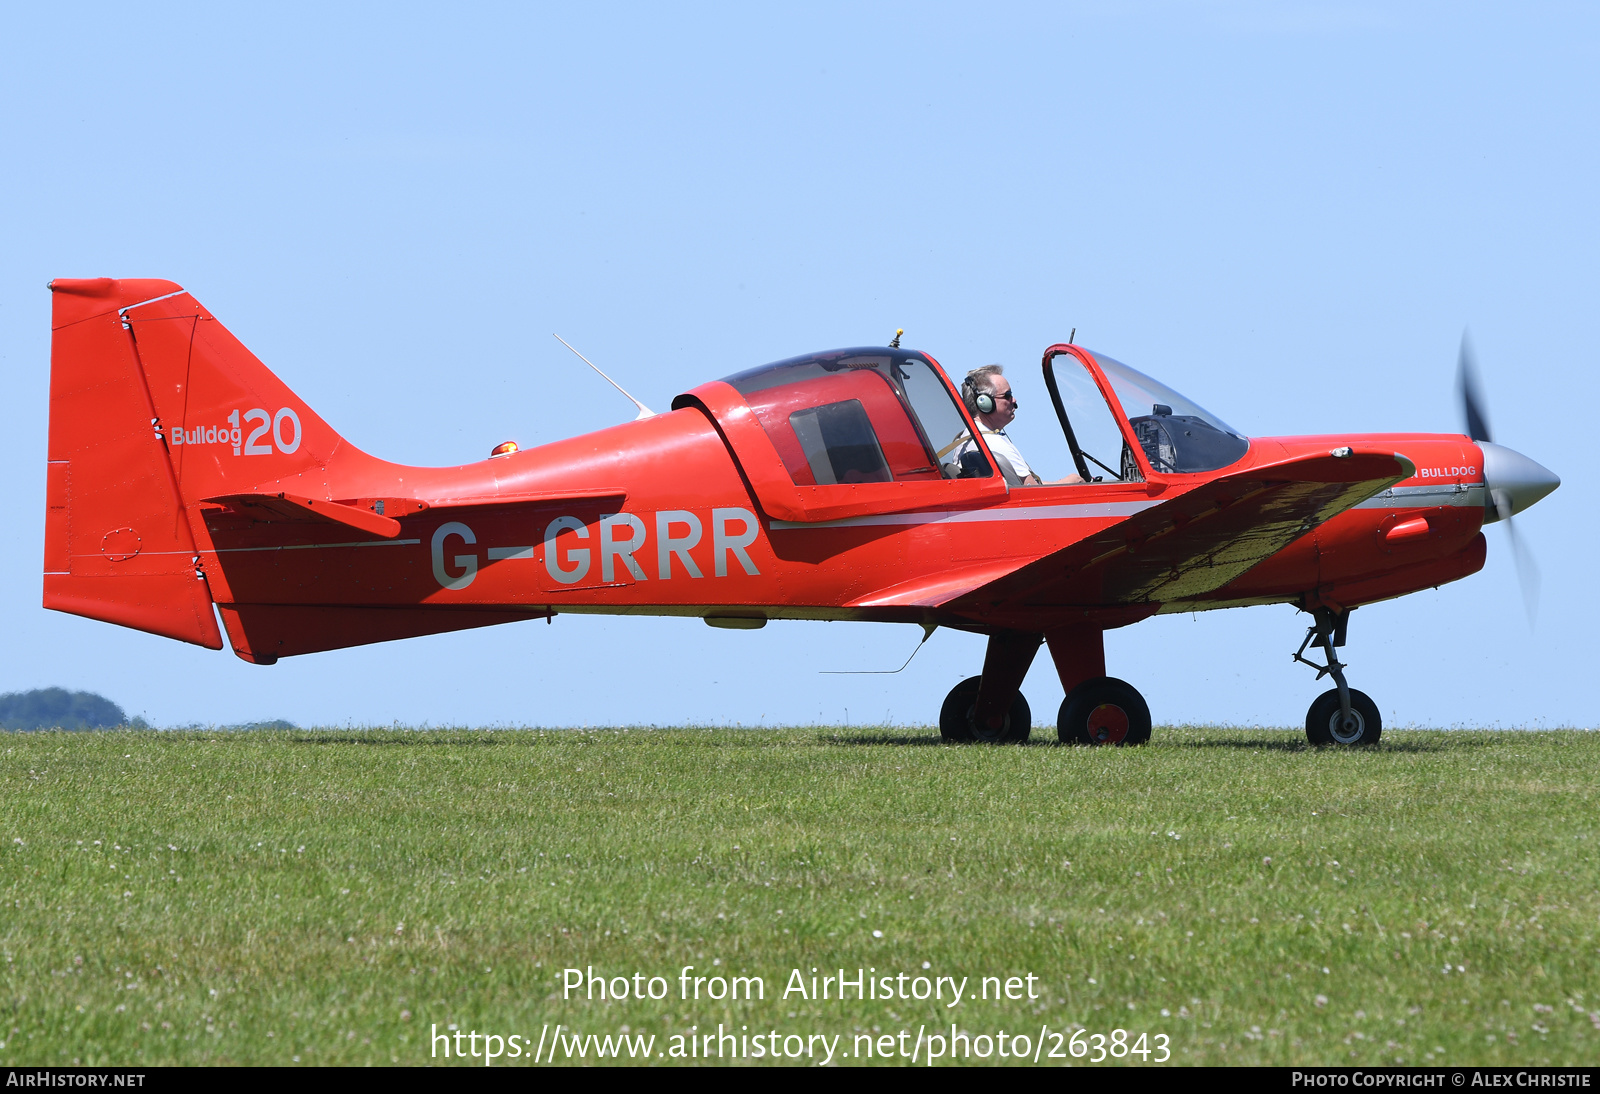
x=1103, y=711
x=956, y=722
x=1322, y=720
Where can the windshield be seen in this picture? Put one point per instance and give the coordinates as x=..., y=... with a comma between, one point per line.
x=1139, y=395
x=860, y=415
x=1177, y=435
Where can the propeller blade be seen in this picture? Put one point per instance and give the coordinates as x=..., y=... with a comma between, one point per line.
x=1472, y=403
x=1513, y=480
x=1522, y=557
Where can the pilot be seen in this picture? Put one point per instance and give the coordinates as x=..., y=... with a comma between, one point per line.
x=988, y=396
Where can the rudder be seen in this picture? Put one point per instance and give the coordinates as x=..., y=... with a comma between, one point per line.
x=118, y=545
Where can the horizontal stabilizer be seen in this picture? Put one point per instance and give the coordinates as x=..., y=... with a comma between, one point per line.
x=270, y=508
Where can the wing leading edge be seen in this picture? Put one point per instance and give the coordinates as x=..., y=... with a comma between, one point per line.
x=1189, y=546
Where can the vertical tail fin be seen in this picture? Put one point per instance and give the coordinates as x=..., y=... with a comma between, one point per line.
x=230, y=424
x=118, y=545
x=154, y=408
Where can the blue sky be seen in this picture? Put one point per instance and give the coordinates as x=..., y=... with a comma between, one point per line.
x=1287, y=212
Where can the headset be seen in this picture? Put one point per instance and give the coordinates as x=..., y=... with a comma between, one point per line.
x=979, y=402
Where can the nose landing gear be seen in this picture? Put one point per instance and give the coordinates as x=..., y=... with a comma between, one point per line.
x=1342, y=715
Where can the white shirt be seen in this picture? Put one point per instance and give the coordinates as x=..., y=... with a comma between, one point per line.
x=1003, y=447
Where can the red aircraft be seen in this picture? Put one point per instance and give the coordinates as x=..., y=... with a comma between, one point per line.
x=850, y=484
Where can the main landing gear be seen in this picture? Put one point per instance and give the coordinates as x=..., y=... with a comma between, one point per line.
x=1098, y=709
x=1341, y=715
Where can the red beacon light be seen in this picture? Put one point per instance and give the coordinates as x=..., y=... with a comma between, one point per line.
x=505, y=448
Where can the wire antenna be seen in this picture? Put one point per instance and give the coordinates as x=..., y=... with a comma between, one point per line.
x=644, y=411
x=927, y=633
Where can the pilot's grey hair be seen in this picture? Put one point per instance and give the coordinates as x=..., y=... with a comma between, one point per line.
x=984, y=377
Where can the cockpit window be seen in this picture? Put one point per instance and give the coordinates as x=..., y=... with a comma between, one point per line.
x=839, y=443
x=858, y=415
x=1177, y=435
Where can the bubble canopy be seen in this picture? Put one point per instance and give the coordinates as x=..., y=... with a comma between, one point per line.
x=882, y=414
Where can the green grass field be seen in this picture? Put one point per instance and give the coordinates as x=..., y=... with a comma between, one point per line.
x=330, y=897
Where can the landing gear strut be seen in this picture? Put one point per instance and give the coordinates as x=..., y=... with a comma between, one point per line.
x=990, y=707
x=1098, y=709
x=1342, y=715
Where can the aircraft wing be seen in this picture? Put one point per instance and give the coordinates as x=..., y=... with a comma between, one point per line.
x=1196, y=542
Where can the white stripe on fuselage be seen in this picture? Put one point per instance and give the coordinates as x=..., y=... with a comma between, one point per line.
x=1426, y=497
x=1077, y=511
x=306, y=546
x=1397, y=497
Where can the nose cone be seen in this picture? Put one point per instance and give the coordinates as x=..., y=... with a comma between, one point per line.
x=1514, y=481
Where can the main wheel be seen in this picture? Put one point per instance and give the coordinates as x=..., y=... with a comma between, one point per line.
x=1325, y=722
x=1104, y=711
x=956, y=722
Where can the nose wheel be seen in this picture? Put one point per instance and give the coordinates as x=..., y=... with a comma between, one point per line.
x=1327, y=723
x=1341, y=715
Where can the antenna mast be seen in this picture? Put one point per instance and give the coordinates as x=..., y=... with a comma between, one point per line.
x=644, y=411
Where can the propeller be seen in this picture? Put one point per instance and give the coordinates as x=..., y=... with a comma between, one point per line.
x=1471, y=392
x=1512, y=480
